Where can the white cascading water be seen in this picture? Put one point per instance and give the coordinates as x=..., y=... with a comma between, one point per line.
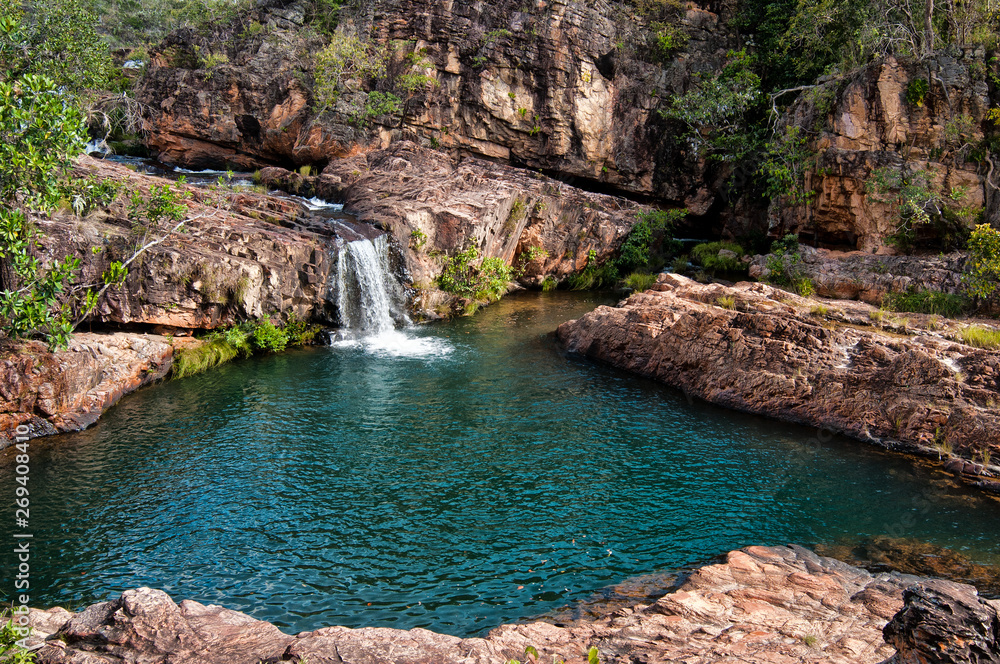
x=368, y=297
x=372, y=305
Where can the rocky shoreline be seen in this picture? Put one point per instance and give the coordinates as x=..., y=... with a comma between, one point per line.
x=762, y=605
x=902, y=383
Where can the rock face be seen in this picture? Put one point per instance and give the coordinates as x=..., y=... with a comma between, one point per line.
x=68, y=390
x=435, y=204
x=241, y=255
x=775, y=354
x=866, y=123
x=762, y=605
x=945, y=623
x=857, y=275
x=564, y=86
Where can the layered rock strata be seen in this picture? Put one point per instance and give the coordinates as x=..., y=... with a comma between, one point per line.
x=856, y=275
x=902, y=383
x=763, y=605
x=872, y=126
x=572, y=88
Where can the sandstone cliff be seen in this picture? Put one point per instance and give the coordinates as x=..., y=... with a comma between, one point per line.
x=763, y=605
x=876, y=118
x=893, y=382
x=567, y=87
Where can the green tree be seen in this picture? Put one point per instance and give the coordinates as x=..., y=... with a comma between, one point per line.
x=346, y=58
x=720, y=112
x=40, y=133
x=982, y=270
x=58, y=39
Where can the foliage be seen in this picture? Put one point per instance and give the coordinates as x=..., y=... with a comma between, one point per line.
x=980, y=336
x=269, y=338
x=982, y=270
x=207, y=356
x=378, y=104
x=787, y=158
x=709, y=255
x=911, y=198
x=916, y=92
x=719, y=109
x=482, y=280
x=11, y=652
x=324, y=15
x=640, y=281
x=243, y=340
x=57, y=39
x=668, y=38
x=647, y=248
x=926, y=302
x=784, y=261
x=300, y=333
x=162, y=203
x=346, y=58
x=40, y=132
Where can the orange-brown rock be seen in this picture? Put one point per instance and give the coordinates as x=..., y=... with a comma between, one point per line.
x=762, y=606
x=866, y=123
x=832, y=365
x=51, y=392
x=568, y=87
x=857, y=275
x=434, y=204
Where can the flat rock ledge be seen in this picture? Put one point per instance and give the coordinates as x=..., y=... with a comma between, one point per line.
x=764, y=604
x=51, y=392
x=901, y=382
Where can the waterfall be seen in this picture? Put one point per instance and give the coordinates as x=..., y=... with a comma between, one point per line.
x=369, y=299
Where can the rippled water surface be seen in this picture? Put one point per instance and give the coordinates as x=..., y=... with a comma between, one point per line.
x=454, y=477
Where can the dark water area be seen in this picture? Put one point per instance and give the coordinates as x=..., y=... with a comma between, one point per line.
x=454, y=476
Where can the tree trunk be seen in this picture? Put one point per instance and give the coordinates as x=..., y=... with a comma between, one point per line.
x=929, y=28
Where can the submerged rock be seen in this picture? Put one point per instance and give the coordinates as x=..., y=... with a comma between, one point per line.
x=762, y=605
x=761, y=350
x=912, y=556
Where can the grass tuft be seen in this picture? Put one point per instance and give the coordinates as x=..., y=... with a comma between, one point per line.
x=980, y=337
x=927, y=302
x=640, y=281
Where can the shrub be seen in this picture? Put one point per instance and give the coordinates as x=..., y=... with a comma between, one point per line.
x=783, y=262
x=299, y=332
x=11, y=644
x=980, y=337
x=345, y=58
x=982, y=270
x=268, y=338
x=485, y=280
x=640, y=281
x=708, y=256
x=40, y=133
x=805, y=287
x=926, y=302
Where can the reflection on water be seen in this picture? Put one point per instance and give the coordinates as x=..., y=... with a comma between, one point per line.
x=454, y=477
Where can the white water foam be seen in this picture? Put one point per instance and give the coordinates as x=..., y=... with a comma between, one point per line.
x=399, y=343
x=316, y=203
